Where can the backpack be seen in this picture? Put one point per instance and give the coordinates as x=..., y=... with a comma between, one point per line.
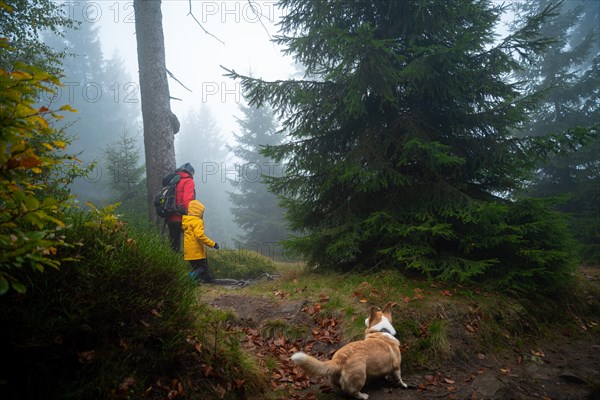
x=165, y=201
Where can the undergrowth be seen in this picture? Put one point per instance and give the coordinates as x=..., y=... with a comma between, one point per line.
x=437, y=321
x=115, y=322
x=123, y=317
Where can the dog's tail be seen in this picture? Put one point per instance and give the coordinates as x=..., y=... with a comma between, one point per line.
x=312, y=366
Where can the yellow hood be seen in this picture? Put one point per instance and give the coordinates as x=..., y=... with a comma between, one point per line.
x=196, y=208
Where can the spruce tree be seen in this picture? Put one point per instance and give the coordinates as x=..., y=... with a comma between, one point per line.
x=568, y=73
x=401, y=153
x=255, y=209
x=123, y=162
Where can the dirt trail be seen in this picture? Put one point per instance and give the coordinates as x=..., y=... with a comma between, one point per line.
x=563, y=368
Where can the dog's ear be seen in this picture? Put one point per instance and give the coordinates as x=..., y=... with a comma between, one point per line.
x=387, y=310
x=372, y=316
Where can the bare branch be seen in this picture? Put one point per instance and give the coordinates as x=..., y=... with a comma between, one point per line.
x=178, y=81
x=200, y=25
x=259, y=15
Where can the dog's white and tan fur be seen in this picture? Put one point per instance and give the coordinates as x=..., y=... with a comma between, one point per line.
x=378, y=355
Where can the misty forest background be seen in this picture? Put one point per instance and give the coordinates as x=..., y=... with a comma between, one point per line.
x=419, y=143
x=242, y=212
x=107, y=138
x=455, y=152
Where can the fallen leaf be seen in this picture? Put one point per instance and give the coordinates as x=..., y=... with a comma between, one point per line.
x=127, y=383
x=537, y=353
x=155, y=313
x=86, y=357
x=207, y=370
x=449, y=381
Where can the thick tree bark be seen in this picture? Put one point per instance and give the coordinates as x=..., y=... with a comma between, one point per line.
x=154, y=90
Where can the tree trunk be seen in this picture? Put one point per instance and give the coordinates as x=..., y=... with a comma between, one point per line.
x=154, y=90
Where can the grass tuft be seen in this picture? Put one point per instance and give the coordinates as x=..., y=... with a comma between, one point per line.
x=239, y=264
x=277, y=328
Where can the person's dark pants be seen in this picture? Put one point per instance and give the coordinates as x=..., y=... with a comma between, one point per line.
x=200, y=270
x=175, y=232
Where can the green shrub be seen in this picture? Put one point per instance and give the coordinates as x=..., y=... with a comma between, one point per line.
x=522, y=246
x=122, y=309
x=125, y=309
x=239, y=264
x=34, y=169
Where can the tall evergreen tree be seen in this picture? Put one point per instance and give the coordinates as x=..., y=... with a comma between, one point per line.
x=401, y=143
x=255, y=209
x=568, y=73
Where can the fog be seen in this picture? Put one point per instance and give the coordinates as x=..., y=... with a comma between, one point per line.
x=200, y=37
x=237, y=38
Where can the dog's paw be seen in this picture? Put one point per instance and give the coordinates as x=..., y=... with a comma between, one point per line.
x=361, y=396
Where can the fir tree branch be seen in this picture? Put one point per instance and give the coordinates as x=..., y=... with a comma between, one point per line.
x=526, y=41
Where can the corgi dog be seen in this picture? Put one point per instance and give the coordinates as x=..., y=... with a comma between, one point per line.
x=378, y=355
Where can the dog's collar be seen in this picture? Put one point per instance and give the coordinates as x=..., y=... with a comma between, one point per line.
x=385, y=330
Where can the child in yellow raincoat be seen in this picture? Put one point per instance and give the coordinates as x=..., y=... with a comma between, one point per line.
x=194, y=241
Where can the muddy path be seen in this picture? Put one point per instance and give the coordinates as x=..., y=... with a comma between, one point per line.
x=563, y=367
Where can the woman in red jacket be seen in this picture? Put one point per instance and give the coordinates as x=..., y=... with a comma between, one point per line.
x=184, y=193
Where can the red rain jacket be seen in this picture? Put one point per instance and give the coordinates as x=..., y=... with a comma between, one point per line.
x=184, y=193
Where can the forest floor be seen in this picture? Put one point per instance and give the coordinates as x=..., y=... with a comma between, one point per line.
x=560, y=366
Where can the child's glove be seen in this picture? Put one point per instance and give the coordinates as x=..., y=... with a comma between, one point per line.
x=216, y=246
